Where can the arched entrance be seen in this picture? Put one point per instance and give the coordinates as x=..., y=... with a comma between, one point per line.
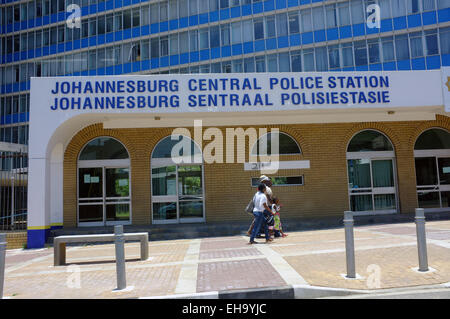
x=104, y=183
x=432, y=161
x=177, y=181
x=371, y=174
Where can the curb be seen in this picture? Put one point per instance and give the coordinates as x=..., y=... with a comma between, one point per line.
x=284, y=292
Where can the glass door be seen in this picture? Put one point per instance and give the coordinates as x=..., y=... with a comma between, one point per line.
x=177, y=194
x=117, y=200
x=372, y=185
x=433, y=182
x=90, y=196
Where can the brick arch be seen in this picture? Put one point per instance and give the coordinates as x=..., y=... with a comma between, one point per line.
x=154, y=139
x=441, y=122
x=388, y=132
x=80, y=139
x=295, y=134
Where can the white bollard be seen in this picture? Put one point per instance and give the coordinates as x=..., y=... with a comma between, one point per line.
x=349, y=244
x=421, y=239
x=2, y=262
x=120, y=257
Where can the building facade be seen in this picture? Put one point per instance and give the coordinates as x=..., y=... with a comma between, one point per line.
x=117, y=37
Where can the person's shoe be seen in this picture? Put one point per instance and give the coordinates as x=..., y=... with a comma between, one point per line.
x=252, y=242
x=268, y=241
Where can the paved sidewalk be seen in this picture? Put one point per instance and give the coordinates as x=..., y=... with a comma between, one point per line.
x=386, y=256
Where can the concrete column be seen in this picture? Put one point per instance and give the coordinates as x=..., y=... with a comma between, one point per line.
x=2, y=262
x=349, y=244
x=120, y=257
x=421, y=239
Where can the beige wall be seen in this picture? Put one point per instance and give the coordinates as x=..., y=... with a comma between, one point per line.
x=227, y=186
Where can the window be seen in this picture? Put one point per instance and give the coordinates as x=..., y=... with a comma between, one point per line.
x=296, y=61
x=282, y=27
x=318, y=18
x=103, y=148
x=398, y=8
x=270, y=27
x=204, y=38
x=416, y=44
x=225, y=34
x=214, y=37
x=331, y=16
x=259, y=29
x=283, y=62
x=236, y=32
x=306, y=20
x=360, y=53
x=374, y=51
x=294, y=26
x=333, y=54
x=388, y=49
x=260, y=62
x=444, y=35
x=431, y=42
x=357, y=11
x=402, y=47
x=321, y=59
x=433, y=139
x=308, y=60
x=286, y=145
x=344, y=14
x=369, y=141
x=413, y=6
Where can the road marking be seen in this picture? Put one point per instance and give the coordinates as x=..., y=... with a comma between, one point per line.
x=187, y=280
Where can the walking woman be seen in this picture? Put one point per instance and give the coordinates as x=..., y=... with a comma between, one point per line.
x=260, y=201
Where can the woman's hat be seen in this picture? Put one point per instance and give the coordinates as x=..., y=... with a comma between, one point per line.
x=263, y=178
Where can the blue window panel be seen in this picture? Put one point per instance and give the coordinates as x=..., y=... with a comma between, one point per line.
x=154, y=63
x=118, y=3
x=269, y=5
x=404, y=65
x=215, y=53
x=154, y=28
x=332, y=34
x=126, y=2
x=294, y=39
x=281, y=4
x=433, y=62
x=84, y=73
x=259, y=45
x=54, y=18
x=23, y=25
x=247, y=10
x=292, y=3
x=109, y=37
x=305, y=1
x=8, y=88
x=375, y=67
x=163, y=26
x=110, y=5
x=193, y=20
x=429, y=18
x=23, y=117
x=173, y=24
x=248, y=47
x=386, y=25
x=203, y=18
x=145, y=30
x=319, y=36
x=283, y=42
x=28, y=85
x=38, y=53
x=23, y=54
x=399, y=23
x=127, y=68
x=85, y=11
x=23, y=86
x=101, y=39
x=9, y=28
x=316, y=1
x=358, y=29
x=16, y=56
x=257, y=7
x=84, y=43
x=184, y=58
x=362, y=68
x=30, y=53
x=444, y=15
x=145, y=65
x=136, y=66
x=174, y=59
x=307, y=38
x=194, y=56
x=109, y=70
x=236, y=49
x=15, y=87
x=93, y=9
x=101, y=7
x=446, y=60
x=136, y=32
x=118, y=35
x=372, y=30
x=204, y=55
x=92, y=41
x=76, y=44
x=62, y=16
x=46, y=50
x=214, y=16
x=226, y=51
x=9, y=58
x=8, y=119
x=271, y=44
x=418, y=64
x=184, y=22
x=135, y=1
x=224, y=14
x=92, y=72
x=16, y=26
x=69, y=46
x=118, y=69
x=345, y=32
x=101, y=71
x=60, y=47
x=30, y=24
x=414, y=21
x=15, y=118
x=164, y=61
x=235, y=12
x=38, y=22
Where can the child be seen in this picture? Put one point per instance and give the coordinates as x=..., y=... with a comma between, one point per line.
x=276, y=206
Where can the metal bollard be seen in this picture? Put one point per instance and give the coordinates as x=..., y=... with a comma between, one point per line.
x=120, y=257
x=421, y=239
x=2, y=262
x=349, y=244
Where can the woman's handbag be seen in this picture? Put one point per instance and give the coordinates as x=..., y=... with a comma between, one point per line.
x=250, y=206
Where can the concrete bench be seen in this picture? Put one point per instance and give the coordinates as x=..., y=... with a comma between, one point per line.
x=59, y=243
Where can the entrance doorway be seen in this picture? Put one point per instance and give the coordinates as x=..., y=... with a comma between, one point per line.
x=371, y=174
x=432, y=161
x=177, y=183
